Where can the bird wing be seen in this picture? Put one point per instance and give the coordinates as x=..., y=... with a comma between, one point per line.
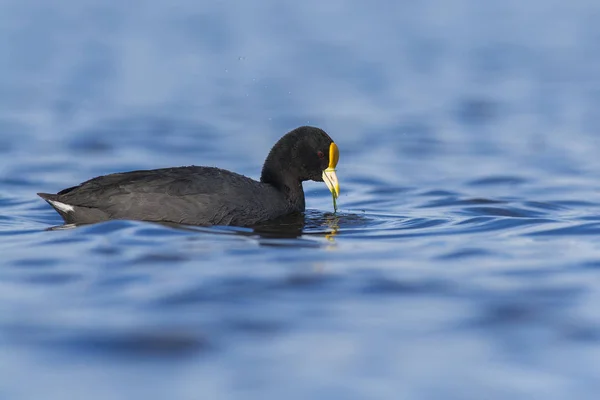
x=179, y=195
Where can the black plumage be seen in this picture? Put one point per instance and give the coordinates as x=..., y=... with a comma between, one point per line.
x=206, y=195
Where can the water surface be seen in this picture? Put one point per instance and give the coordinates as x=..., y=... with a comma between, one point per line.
x=464, y=261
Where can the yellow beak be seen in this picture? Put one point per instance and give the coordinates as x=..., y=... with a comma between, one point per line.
x=329, y=175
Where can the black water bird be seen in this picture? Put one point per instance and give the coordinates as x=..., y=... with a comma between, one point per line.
x=206, y=195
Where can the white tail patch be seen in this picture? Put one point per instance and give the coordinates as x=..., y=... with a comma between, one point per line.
x=62, y=206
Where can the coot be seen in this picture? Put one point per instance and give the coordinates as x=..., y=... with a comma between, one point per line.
x=206, y=195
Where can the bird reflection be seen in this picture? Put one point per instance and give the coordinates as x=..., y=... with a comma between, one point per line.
x=295, y=225
x=290, y=226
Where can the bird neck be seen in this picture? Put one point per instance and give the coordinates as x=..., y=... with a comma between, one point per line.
x=285, y=181
x=282, y=180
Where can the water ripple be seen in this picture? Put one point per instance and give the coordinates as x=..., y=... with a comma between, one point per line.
x=463, y=261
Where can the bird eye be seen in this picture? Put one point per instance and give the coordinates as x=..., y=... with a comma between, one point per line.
x=320, y=154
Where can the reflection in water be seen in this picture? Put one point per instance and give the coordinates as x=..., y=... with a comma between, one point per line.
x=333, y=223
x=63, y=227
x=287, y=227
x=290, y=226
x=295, y=225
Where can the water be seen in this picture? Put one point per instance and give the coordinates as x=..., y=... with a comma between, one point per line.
x=464, y=261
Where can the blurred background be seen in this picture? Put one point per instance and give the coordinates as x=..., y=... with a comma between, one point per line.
x=464, y=261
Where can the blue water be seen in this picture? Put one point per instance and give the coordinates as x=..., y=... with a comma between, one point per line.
x=464, y=262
